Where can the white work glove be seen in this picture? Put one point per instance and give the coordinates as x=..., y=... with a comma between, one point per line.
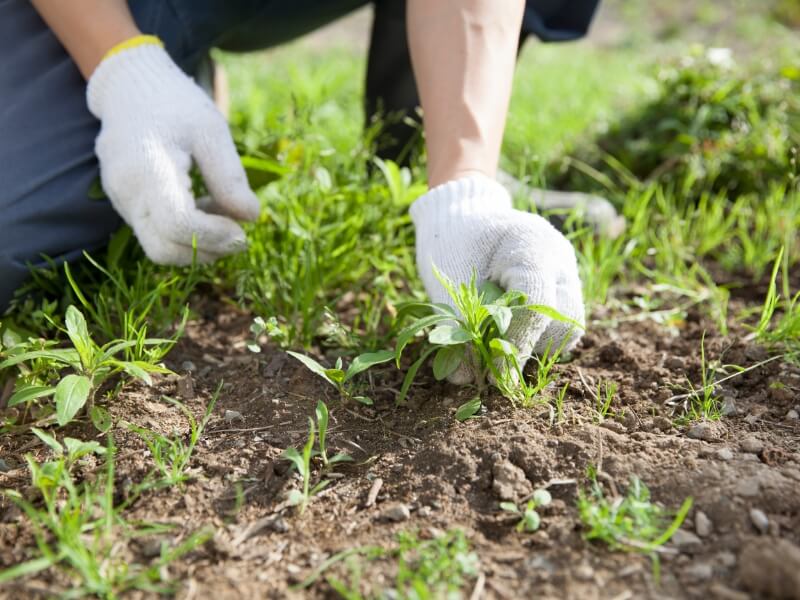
x=155, y=120
x=469, y=226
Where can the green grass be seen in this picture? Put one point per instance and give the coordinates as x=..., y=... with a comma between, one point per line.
x=631, y=523
x=80, y=529
x=425, y=569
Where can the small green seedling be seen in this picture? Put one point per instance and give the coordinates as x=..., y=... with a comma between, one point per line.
x=529, y=519
x=322, y=426
x=71, y=450
x=270, y=327
x=472, y=334
x=302, y=461
x=340, y=378
x=40, y=363
x=783, y=331
x=606, y=392
x=632, y=523
x=171, y=455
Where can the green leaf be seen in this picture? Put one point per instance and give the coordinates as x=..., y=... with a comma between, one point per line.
x=447, y=335
x=530, y=521
x=319, y=487
x=71, y=394
x=547, y=311
x=28, y=393
x=468, y=409
x=77, y=448
x=261, y=171
x=362, y=362
x=363, y=400
x=137, y=369
x=117, y=245
x=62, y=356
x=411, y=374
x=78, y=334
x=407, y=334
x=500, y=347
x=447, y=360
x=335, y=375
x=490, y=291
x=341, y=457
x=501, y=315
x=101, y=419
x=27, y=568
x=312, y=365
x=49, y=440
x=292, y=455
x=542, y=498
x=509, y=507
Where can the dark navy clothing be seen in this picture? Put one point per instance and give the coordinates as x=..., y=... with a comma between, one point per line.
x=47, y=161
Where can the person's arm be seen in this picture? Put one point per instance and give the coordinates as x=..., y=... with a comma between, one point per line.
x=88, y=28
x=463, y=54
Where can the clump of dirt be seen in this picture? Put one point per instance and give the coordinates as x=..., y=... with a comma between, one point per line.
x=438, y=473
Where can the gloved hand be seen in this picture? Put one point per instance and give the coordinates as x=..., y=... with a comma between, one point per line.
x=155, y=120
x=469, y=225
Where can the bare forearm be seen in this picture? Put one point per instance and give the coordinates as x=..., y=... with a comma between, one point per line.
x=463, y=53
x=88, y=28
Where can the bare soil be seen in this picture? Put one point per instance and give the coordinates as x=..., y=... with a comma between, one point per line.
x=445, y=471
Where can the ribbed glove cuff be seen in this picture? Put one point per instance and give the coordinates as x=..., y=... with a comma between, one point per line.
x=139, y=69
x=473, y=195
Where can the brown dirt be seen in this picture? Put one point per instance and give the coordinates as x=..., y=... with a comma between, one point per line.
x=443, y=470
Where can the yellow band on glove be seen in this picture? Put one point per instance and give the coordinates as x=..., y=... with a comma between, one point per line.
x=139, y=40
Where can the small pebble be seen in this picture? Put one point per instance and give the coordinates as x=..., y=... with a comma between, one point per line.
x=708, y=431
x=759, y=519
x=584, y=572
x=395, y=513
x=726, y=559
x=188, y=365
x=4, y=468
x=424, y=511
x=724, y=454
x=792, y=415
x=702, y=524
x=699, y=572
x=686, y=540
x=232, y=415
x=751, y=444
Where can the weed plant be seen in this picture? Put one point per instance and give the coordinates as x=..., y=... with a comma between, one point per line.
x=171, y=454
x=632, y=523
x=40, y=365
x=471, y=335
x=529, y=519
x=80, y=530
x=302, y=460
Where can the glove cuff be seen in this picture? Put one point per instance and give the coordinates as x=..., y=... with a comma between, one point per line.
x=134, y=70
x=473, y=195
